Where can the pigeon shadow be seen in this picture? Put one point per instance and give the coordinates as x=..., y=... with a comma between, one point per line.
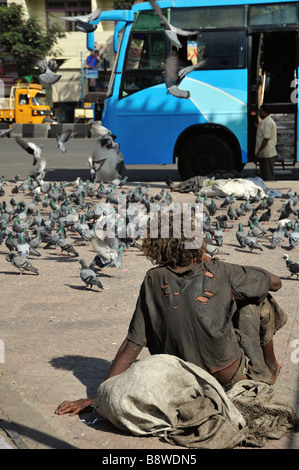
x=288, y=278
x=17, y=273
x=62, y=258
x=90, y=371
x=82, y=288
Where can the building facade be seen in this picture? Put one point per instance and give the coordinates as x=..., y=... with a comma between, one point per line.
x=74, y=83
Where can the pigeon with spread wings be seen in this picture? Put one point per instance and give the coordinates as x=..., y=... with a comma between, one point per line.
x=48, y=70
x=171, y=31
x=64, y=137
x=173, y=76
x=30, y=147
x=89, y=17
x=82, y=21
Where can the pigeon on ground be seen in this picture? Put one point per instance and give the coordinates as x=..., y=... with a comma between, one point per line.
x=240, y=236
x=21, y=263
x=252, y=243
x=263, y=205
x=30, y=147
x=231, y=213
x=240, y=211
x=48, y=70
x=171, y=31
x=88, y=276
x=266, y=216
x=228, y=200
x=173, y=76
x=65, y=245
x=64, y=137
x=218, y=234
x=224, y=221
x=257, y=198
x=292, y=266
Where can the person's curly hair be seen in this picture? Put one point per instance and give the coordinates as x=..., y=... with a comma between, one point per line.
x=172, y=250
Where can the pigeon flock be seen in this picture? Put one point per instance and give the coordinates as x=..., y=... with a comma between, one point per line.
x=111, y=218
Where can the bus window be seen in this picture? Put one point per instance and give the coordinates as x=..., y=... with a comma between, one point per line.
x=207, y=17
x=273, y=14
x=221, y=49
x=144, y=63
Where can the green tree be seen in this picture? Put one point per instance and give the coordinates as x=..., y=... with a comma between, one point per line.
x=24, y=37
x=123, y=4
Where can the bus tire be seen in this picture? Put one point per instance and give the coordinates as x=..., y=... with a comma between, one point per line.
x=203, y=155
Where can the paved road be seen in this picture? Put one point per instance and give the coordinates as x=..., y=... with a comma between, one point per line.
x=68, y=166
x=60, y=338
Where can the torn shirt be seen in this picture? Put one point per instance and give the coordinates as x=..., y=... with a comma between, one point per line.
x=189, y=314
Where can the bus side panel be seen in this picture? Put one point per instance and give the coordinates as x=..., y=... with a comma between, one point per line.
x=221, y=97
x=148, y=123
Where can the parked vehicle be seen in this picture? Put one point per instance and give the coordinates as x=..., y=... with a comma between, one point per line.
x=249, y=55
x=27, y=104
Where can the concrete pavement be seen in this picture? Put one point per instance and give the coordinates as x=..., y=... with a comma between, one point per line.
x=59, y=339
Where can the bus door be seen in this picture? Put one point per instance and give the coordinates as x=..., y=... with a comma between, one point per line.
x=273, y=72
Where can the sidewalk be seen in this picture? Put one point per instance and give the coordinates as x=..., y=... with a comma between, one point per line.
x=60, y=338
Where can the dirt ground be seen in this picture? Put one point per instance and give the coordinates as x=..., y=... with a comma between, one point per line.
x=58, y=338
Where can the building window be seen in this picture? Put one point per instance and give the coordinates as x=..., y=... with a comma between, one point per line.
x=56, y=9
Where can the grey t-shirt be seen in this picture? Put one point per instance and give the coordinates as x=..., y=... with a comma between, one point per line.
x=189, y=314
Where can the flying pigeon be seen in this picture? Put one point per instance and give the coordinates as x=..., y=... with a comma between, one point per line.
x=89, y=17
x=88, y=276
x=278, y=236
x=30, y=147
x=85, y=27
x=292, y=266
x=48, y=70
x=21, y=263
x=64, y=137
x=4, y=132
x=173, y=76
x=294, y=237
x=82, y=21
x=171, y=31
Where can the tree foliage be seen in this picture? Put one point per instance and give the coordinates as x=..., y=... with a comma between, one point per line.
x=123, y=4
x=24, y=37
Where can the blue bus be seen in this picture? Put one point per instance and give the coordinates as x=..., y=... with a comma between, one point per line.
x=249, y=54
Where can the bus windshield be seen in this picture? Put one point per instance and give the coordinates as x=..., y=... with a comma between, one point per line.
x=144, y=62
x=146, y=55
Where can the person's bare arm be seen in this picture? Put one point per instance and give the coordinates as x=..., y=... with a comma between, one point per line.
x=263, y=145
x=275, y=282
x=125, y=356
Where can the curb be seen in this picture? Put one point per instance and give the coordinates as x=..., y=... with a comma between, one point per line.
x=47, y=130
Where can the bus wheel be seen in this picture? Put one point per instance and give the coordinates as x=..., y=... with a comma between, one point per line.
x=203, y=155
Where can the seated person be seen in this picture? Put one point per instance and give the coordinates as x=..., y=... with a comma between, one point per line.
x=187, y=307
